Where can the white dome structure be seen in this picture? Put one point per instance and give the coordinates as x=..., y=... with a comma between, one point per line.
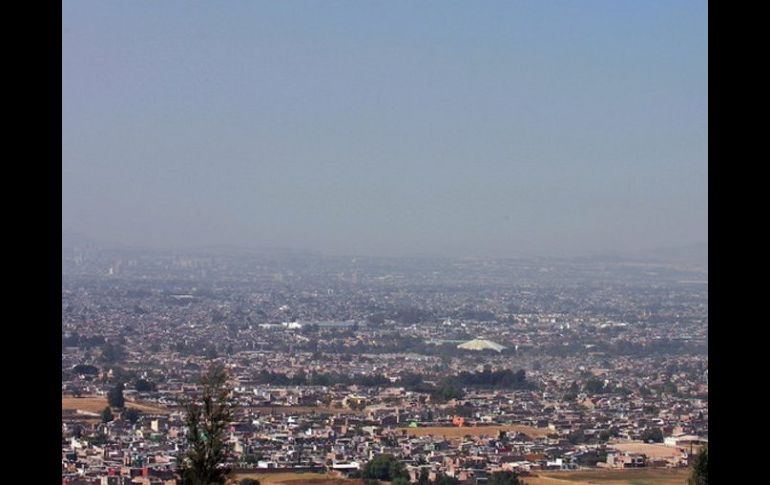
x=481, y=344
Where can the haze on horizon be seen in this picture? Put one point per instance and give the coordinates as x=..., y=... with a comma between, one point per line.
x=387, y=128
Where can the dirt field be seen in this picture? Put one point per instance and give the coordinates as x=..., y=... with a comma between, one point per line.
x=652, y=451
x=303, y=410
x=639, y=476
x=455, y=432
x=289, y=478
x=96, y=404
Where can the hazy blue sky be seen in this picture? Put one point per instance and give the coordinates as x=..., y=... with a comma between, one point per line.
x=387, y=127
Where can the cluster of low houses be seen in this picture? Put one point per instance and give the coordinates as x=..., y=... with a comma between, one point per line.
x=268, y=435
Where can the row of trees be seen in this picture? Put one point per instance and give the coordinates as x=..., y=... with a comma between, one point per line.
x=131, y=415
x=662, y=347
x=326, y=379
x=82, y=341
x=499, y=379
x=446, y=388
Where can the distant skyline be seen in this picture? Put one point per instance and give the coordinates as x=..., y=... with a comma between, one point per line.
x=387, y=128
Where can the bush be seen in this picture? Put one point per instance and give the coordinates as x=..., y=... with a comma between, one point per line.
x=131, y=415
x=652, y=434
x=385, y=467
x=143, y=385
x=504, y=478
x=443, y=479
x=107, y=415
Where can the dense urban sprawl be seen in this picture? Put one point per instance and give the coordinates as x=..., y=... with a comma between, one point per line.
x=458, y=368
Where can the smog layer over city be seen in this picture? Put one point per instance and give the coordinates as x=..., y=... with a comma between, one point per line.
x=350, y=243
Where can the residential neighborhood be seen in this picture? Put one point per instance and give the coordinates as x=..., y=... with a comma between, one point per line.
x=455, y=368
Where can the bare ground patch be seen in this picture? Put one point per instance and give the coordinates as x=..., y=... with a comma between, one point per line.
x=290, y=478
x=638, y=476
x=96, y=404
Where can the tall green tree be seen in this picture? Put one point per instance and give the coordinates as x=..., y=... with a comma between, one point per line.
x=107, y=415
x=115, y=396
x=207, y=418
x=700, y=468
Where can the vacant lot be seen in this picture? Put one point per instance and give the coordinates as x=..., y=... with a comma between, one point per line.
x=289, y=478
x=303, y=410
x=639, y=476
x=96, y=404
x=455, y=432
x=652, y=451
